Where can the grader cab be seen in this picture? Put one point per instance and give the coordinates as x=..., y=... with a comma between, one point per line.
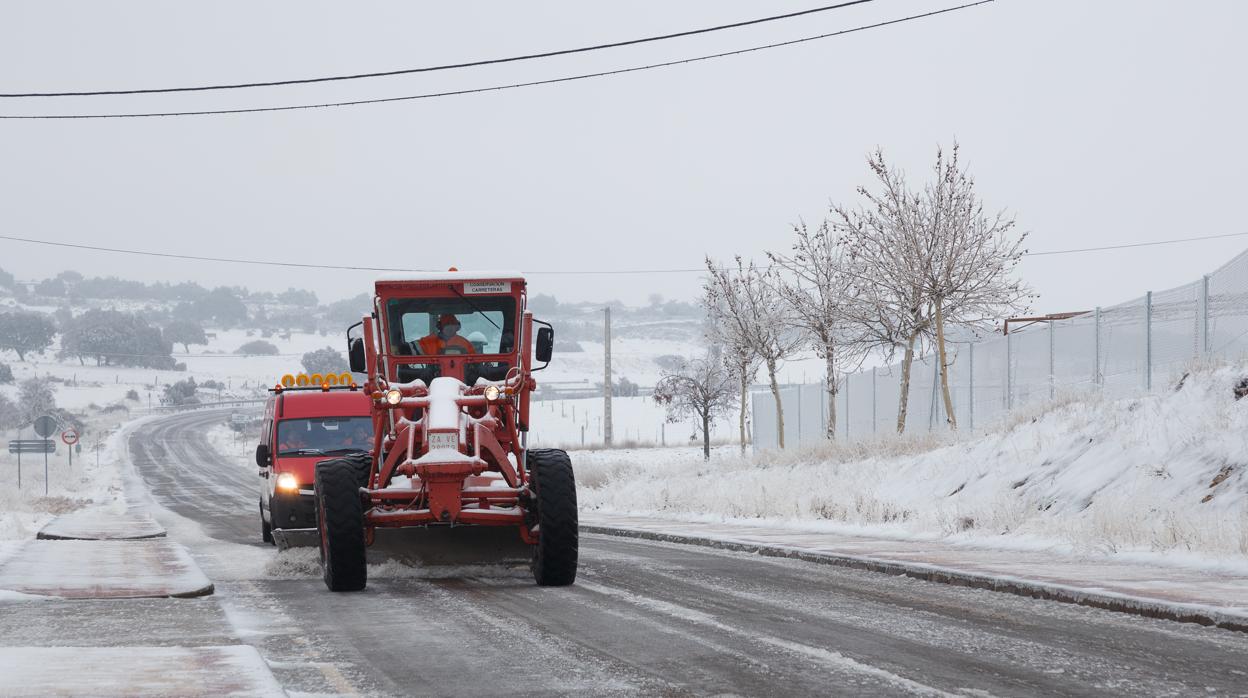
x=449, y=359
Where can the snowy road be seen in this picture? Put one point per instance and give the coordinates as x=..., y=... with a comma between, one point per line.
x=643, y=618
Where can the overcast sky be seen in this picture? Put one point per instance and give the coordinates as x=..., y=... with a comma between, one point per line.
x=1096, y=123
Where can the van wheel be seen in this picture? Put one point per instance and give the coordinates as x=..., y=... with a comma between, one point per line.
x=266, y=529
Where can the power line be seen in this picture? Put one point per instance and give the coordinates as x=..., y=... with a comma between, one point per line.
x=499, y=88
x=448, y=66
x=1136, y=244
x=550, y=272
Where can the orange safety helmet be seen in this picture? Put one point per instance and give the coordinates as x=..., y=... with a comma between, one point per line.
x=448, y=319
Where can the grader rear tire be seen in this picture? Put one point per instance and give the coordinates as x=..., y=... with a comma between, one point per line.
x=340, y=519
x=554, y=561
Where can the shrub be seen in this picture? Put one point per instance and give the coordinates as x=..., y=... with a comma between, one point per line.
x=258, y=347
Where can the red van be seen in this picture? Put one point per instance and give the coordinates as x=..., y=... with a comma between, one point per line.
x=302, y=427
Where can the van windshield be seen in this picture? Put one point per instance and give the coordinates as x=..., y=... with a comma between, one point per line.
x=324, y=436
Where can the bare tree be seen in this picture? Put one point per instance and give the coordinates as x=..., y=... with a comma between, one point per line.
x=747, y=303
x=737, y=354
x=819, y=291
x=969, y=273
x=886, y=248
x=701, y=388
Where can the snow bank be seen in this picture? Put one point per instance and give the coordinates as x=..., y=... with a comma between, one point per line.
x=1159, y=473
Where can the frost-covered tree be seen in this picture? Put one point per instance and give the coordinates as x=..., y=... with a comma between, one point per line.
x=24, y=332
x=927, y=259
x=886, y=250
x=186, y=333
x=701, y=388
x=819, y=291
x=112, y=337
x=327, y=360
x=969, y=274
x=745, y=304
x=35, y=396
x=736, y=353
x=10, y=414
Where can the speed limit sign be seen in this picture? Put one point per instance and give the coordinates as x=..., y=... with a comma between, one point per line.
x=70, y=437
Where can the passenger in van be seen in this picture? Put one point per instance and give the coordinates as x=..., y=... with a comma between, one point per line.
x=446, y=340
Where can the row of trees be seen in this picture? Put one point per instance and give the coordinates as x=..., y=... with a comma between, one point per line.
x=72, y=284
x=110, y=337
x=892, y=274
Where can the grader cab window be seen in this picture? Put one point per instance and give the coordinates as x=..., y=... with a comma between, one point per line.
x=451, y=326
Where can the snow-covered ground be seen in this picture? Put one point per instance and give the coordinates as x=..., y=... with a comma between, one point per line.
x=93, y=479
x=1162, y=473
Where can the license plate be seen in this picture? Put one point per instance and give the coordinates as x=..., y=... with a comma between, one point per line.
x=443, y=440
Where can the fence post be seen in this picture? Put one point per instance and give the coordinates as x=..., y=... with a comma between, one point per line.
x=823, y=410
x=1052, y=366
x=1007, y=396
x=874, y=427
x=1204, y=317
x=1097, y=378
x=799, y=413
x=846, y=389
x=970, y=397
x=1148, y=341
x=932, y=404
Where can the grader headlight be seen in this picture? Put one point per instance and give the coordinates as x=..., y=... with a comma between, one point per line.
x=393, y=396
x=492, y=393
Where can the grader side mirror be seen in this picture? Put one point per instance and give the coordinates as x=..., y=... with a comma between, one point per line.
x=355, y=356
x=262, y=455
x=545, y=344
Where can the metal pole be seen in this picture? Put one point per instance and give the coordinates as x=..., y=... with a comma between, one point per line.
x=1204, y=320
x=606, y=388
x=1009, y=395
x=1148, y=340
x=799, y=414
x=873, y=420
x=846, y=389
x=1052, y=342
x=1097, y=378
x=970, y=397
x=932, y=404
x=19, y=462
x=45, y=469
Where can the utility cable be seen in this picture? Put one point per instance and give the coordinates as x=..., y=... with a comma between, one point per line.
x=499, y=88
x=552, y=272
x=448, y=66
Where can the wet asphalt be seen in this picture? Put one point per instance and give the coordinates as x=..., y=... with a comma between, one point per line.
x=643, y=618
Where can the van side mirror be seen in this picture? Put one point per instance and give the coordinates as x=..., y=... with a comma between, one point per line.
x=262, y=455
x=355, y=355
x=545, y=344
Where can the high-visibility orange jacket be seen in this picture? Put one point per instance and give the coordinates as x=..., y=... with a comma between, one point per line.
x=433, y=344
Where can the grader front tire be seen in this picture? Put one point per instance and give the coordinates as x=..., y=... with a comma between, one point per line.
x=555, y=559
x=340, y=518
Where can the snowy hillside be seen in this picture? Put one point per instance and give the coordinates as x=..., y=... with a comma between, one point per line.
x=1159, y=473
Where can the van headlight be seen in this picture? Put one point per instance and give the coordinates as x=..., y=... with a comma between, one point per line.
x=287, y=482
x=491, y=392
x=393, y=396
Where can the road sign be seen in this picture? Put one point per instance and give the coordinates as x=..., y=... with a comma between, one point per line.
x=69, y=436
x=32, y=446
x=46, y=426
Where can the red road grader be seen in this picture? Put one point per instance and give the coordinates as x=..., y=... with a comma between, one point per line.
x=449, y=359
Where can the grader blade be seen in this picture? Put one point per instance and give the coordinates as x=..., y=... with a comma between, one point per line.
x=287, y=538
x=450, y=546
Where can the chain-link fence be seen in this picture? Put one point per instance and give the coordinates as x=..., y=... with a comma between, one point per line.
x=1127, y=349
